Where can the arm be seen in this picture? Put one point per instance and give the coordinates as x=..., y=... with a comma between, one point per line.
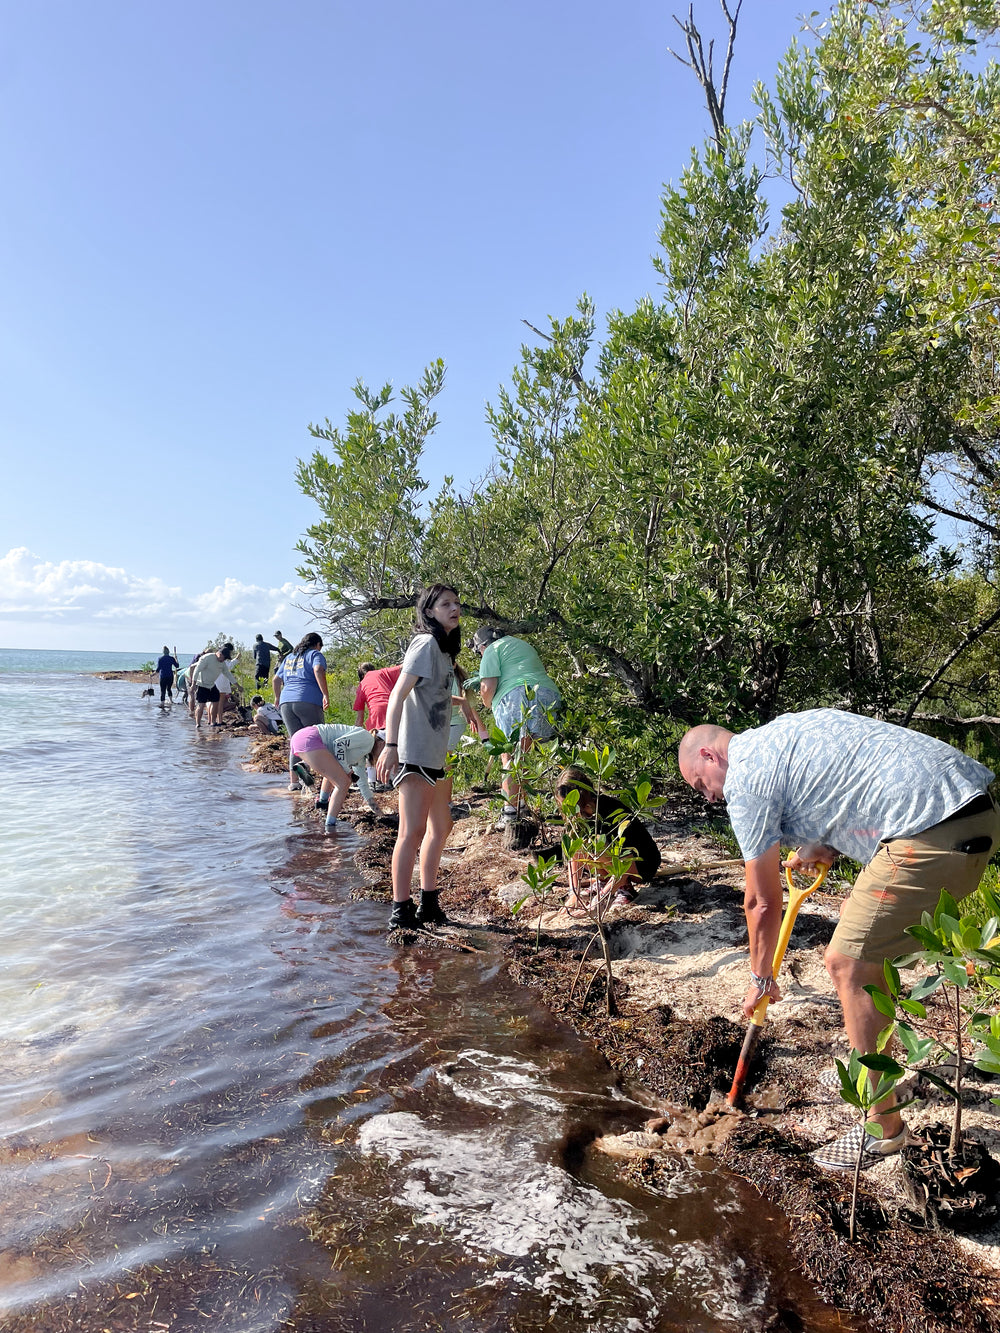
x=487, y=688
x=276, y=683
x=359, y=716
x=388, y=760
x=473, y=717
x=320, y=674
x=366, y=792
x=762, y=904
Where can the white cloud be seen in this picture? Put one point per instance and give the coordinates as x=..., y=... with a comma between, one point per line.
x=82, y=604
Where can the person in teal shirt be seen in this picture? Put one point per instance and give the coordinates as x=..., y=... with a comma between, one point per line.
x=513, y=682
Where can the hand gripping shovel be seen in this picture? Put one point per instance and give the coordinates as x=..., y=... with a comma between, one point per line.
x=796, y=897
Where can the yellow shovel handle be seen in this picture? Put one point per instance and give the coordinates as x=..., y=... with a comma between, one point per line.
x=796, y=897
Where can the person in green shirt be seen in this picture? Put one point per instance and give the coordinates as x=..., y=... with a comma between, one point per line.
x=513, y=682
x=284, y=647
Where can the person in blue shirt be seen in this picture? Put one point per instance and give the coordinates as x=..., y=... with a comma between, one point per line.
x=166, y=665
x=300, y=691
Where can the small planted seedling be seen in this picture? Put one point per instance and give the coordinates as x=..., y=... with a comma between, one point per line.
x=858, y=1089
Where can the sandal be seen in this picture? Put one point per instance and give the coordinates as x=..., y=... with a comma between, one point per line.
x=842, y=1153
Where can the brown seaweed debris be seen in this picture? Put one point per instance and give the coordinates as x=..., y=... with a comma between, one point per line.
x=893, y=1275
x=267, y=754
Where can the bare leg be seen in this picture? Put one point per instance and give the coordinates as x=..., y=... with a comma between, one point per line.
x=439, y=825
x=862, y=1020
x=415, y=799
x=335, y=777
x=510, y=788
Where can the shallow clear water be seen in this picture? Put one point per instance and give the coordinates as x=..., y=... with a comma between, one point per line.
x=227, y=1102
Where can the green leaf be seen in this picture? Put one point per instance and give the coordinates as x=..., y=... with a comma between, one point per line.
x=881, y=1001
x=883, y=1064
x=917, y=1048
x=926, y=986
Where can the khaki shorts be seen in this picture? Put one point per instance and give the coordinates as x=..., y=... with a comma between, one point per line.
x=905, y=878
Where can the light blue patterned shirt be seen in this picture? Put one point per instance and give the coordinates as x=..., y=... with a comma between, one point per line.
x=847, y=781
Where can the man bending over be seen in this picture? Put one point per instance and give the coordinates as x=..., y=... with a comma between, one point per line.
x=913, y=810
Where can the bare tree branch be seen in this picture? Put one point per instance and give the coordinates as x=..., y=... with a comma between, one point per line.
x=991, y=528
x=975, y=633
x=702, y=65
x=948, y=719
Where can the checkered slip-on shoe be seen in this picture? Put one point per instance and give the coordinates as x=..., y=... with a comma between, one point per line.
x=842, y=1153
x=828, y=1083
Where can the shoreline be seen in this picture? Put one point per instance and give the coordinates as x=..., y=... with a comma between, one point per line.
x=679, y=962
x=137, y=677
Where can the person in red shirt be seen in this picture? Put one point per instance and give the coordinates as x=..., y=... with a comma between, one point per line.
x=374, y=688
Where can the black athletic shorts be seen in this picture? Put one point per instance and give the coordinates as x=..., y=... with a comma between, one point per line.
x=430, y=775
x=209, y=695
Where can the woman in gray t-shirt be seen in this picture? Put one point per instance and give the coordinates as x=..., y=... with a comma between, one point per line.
x=417, y=726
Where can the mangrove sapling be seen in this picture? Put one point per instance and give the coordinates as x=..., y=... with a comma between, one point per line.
x=965, y=956
x=590, y=849
x=858, y=1090
x=540, y=879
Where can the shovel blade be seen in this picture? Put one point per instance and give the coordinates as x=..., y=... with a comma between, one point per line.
x=735, y=1093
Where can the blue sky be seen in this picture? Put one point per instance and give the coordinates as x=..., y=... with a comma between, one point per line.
x=217, y=216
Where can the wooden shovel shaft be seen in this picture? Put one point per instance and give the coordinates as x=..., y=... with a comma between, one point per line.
x=796, y=897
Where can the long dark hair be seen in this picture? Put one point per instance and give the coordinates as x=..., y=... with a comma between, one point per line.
x=426, y=624
x=312, y=640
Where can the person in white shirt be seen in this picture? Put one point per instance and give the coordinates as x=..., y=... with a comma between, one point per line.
x=204, y=676
x=267, y=716
x=338, y=753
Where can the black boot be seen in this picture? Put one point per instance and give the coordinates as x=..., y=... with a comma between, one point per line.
x=429, y=912
x=404, y=916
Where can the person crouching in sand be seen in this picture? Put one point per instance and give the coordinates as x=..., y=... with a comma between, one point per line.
x=338, y=753
x=605, y=816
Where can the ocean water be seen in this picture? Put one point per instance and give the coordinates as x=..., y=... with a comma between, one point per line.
x=46, y=660
x=227, y=1102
